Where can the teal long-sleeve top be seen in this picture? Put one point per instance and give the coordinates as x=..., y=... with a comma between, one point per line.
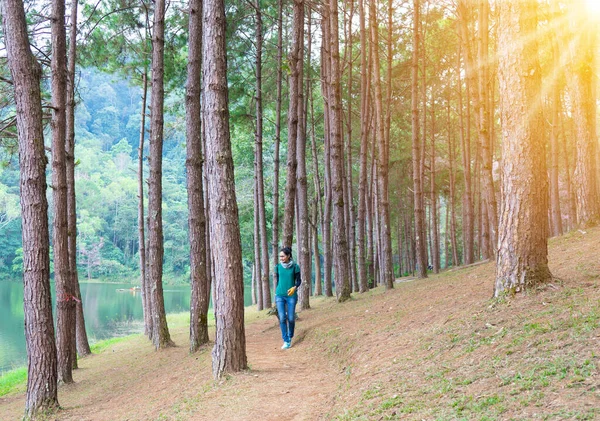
x=287, y=278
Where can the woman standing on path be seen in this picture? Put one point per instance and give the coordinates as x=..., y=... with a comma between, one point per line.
x=287, y=275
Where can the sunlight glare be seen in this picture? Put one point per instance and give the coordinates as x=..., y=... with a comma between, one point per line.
x=593, y=6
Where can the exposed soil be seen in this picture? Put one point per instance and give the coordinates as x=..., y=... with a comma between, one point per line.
x=438, y=348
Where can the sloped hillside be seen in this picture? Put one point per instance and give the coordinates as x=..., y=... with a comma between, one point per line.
x=433, y=349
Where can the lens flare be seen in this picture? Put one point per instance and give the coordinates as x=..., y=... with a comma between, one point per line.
x=592, y=6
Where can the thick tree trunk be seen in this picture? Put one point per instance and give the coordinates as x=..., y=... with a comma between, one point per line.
x=82, y=344
x=65, y=296
x=421, y=252
x=340, y=243
x=160, y=335
x=522, y=245
x=229, y=352
x=39, y=328
x=194, y=162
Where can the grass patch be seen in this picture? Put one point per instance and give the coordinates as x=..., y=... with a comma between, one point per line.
x=100, y=346
x=12, y=380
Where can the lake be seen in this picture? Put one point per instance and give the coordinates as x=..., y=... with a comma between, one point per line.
x=108, y=313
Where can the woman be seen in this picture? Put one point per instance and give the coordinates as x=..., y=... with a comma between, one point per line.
x=287, y=276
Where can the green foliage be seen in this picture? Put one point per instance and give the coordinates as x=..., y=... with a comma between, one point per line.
x=13, y=380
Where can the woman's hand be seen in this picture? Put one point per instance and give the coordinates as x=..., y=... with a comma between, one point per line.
x=291, y=291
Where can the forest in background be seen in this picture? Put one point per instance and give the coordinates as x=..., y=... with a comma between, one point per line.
x=419, y=136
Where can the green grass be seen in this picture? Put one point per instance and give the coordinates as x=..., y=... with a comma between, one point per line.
x=12, y=380
x=100, y=346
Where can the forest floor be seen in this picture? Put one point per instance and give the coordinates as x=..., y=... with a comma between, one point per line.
x=431, y=349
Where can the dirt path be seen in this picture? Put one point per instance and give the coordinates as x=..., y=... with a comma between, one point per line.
x=132, y=382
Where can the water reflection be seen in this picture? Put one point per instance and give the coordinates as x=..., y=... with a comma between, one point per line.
x=111, y=310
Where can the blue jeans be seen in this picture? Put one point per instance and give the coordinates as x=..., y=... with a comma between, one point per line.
x=286, y=311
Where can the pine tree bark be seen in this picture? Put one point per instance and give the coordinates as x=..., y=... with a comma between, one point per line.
x=317, y=208
x=229, y=352
x=522, y=245
x=385, y=236
x=364, y=140
x=584, y=116
x=451, y=158
x=435, y=232
x=276, y=159
x=39, y=327
x=483, y=113
x=340, y=242
x=295, y=87
x=194, y=162
x=557, y=228
x=65, y=297
x=82, y=343
x=467, y=208
x=302, y=186
x=160, y=335
x=421, y=252
x=325, y=87
x=145, y=281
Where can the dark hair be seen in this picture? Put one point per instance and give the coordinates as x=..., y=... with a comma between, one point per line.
x=286, y=250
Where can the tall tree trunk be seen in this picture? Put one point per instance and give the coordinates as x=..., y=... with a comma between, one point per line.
x=557, y=228
x=39, y=328
x=467, y=208
x=82, y=344
x=451, y=158
x=340, y=242
x=263, y=281
x=349, y=186
x=257, y=252
x=325, y=87
x=295, y=87
x=584, y=115
x=315, y=238
x=317, y=208
x=145, y=281
x=160, y=335
x=65, y=298
x=194, y=162
x=229, y=352
x=302, y=185
x=385, y=236
x=483, y=113
x=435, y=243
x=275, y=221
x=523, y=244
x=421, y=252
x=571, y=199
x=364, y=143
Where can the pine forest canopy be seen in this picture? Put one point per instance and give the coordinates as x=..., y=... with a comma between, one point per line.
x=416, y=136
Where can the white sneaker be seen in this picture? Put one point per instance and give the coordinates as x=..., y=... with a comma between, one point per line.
x=286, y=345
